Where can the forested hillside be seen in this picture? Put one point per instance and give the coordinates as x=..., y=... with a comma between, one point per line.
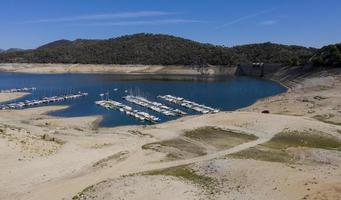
x=161, y=49
x=328, y=56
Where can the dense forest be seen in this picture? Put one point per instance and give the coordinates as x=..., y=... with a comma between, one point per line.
x=169, y=50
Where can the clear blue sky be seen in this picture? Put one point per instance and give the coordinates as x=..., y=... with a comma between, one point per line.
x=31, y=23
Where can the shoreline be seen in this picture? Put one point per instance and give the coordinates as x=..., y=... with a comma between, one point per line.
x=132, y=69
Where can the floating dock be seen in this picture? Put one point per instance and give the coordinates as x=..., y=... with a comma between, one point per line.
x=189, y=104
x=155, y=106
x=18, y=90
x=44, y=100
x=143, y=116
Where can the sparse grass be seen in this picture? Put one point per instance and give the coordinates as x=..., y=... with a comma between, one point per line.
x=80, y=195
x=48, y=138
x=324, y=87
x=117, y=157
x=172, y=156
x=285, y=140
x=100, y=146
x=186, y=173
x=219, y=138
x=184, y=146
x=177, y=146
x=326, y=119
x=275, y=149
x=265, y=154
x=194, y=142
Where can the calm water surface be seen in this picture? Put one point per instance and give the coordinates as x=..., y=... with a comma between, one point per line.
x=225, y=93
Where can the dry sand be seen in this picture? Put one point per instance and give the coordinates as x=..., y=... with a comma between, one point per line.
x=44, y=157
x=11, y=96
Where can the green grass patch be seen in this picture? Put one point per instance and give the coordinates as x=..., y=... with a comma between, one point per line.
x=285, y=140
x=275, y=149
x=219, y=138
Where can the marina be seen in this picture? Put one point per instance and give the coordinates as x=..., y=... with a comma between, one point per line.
x=189, y=104
x=224, y=93
x=18, y=90
x=143, y=116
x=155, y=106
x=44, y=100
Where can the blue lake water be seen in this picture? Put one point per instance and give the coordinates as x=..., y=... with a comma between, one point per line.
x=225, y=93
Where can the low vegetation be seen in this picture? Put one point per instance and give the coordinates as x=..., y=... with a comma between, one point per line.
x=328, y=56
x=176, y=149
x=198, y=142
x=219, y=138
x=81, y=194
x=185, y=173
x=48, y=138
x=188, y=174
x=117, y=157
x=327, y=119
x=276, y=149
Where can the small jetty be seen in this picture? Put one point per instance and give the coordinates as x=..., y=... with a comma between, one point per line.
x=155, y=106
x=44, y=100
x=189, y=104
x=18, y=90
x=143, y=116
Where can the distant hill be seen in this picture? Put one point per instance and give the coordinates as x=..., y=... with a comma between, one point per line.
x=12, y=50
x=160, y=49
x=133, y=49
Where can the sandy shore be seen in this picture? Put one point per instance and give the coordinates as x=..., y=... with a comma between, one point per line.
x=114, y=69
x=64, y=156
x=11, y=96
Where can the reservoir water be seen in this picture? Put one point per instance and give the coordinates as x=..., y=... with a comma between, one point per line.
x=225, y=93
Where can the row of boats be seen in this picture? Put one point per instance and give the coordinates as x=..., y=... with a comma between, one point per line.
x=110, y=104
x=143, y=116
x=44, y=100
x=189, y=104
x=154, y=106
x=18, y=90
